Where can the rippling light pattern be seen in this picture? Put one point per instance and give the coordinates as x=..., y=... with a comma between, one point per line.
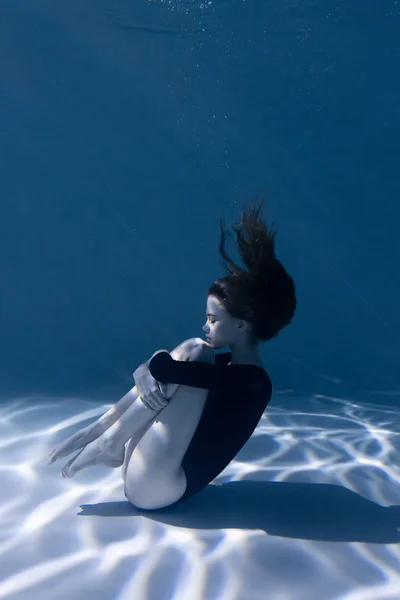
x=308, y=510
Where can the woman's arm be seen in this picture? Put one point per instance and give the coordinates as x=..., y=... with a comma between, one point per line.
x=191, y=373
x=149, y=382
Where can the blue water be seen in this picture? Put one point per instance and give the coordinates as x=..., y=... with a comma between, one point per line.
x=126, y=130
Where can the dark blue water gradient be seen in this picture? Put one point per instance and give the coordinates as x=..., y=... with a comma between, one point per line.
x=128, y=128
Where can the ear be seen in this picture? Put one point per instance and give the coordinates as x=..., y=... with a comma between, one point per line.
x=244, y=325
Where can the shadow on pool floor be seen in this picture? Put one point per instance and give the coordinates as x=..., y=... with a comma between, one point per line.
x=321, y=512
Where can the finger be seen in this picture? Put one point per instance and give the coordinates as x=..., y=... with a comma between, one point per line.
x=161, y=402
x=149, y=403
x=157, y=401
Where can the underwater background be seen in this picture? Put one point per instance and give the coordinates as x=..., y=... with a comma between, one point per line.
x=127, y=130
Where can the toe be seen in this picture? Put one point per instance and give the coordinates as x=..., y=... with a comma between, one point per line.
x=70, y=468
x=66, y=470
x=56, y=454
x=53, y=456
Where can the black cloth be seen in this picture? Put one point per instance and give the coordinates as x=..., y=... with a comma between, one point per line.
x=238, y=396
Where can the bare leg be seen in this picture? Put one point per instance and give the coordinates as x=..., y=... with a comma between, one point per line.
x=153, y=473
x=157, y=439
x=109, y=448
x=88, y=434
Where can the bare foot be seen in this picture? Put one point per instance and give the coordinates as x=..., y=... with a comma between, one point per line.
x=79, y=440
x=98, y=452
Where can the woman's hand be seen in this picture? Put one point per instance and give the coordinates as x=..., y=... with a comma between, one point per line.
x=148, y=389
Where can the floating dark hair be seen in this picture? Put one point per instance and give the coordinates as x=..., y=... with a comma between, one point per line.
x=261, y=292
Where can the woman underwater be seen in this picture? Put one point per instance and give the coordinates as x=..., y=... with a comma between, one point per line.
x=191, y=410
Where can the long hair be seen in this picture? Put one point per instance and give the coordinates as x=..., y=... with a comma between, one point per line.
x=261, y=291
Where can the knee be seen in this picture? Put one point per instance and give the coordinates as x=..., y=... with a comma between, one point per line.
x=201, y=351
x=193, y=349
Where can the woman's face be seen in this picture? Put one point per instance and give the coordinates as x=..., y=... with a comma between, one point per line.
x=220, y=328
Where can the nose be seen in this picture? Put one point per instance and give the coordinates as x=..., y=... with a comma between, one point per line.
x=204, y=328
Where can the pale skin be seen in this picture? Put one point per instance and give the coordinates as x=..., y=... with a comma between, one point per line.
x=157, y=422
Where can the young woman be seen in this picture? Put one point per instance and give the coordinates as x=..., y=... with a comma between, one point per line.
x=191, y=411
